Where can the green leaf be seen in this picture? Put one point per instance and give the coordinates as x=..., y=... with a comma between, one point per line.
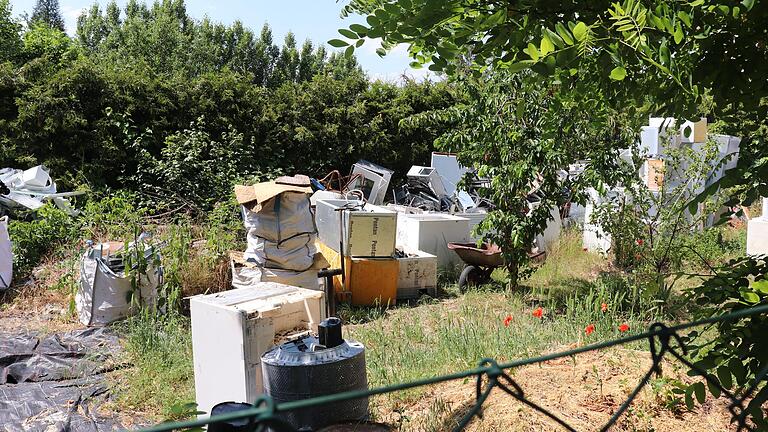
x=349, y=34
x=359, y=29
x=618, y=73
x=532, y=52
x=684, y=17
x=557, y=40
x=664, y=54
x=689, y=398
x=580, y=31
x=738, y=370
x=381, y=52
x=338, y=43
x=546, y=46
x=678, y=34
x=497, y=18
x=748, y=4
x=373, y=20
x=626, y=27
x=360, y=43
x=564, y=33
x=713, y=389
x=521, y=65
x=700, y=391
x=750, y=297
x=349, y=51
x=761, y=286
x=724, y=375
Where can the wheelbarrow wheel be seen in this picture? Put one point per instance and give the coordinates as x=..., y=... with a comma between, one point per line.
x=472, y=276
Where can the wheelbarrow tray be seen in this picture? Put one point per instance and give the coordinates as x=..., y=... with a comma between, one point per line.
x=485, y=256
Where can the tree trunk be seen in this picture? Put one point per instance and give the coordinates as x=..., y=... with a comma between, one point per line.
x=513, y=273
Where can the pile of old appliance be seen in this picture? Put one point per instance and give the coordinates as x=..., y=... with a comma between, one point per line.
x=30, y=189
x=658, y=140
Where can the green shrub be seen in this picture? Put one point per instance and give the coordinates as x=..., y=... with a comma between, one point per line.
x=113, y=217
x=33, y=240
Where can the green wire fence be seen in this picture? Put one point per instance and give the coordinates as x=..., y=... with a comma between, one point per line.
x=663, y=340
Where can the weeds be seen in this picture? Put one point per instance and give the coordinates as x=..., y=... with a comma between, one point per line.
x=111, y=217
x=162, y=377
x=33, y=240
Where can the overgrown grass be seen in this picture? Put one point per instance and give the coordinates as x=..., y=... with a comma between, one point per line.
x=435, y=339
x=439, y=337
x=161, y=378
x=567, y=264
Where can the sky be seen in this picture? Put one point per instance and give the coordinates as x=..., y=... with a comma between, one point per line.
x=317, y=20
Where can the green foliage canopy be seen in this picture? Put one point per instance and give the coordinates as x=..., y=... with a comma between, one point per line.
x=10, y=34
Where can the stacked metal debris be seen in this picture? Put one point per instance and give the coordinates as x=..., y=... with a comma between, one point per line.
x=30, y=189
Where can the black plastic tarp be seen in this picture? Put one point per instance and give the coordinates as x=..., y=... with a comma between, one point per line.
x=56, y=383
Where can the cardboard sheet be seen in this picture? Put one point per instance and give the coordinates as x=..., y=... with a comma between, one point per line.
x=253, y=196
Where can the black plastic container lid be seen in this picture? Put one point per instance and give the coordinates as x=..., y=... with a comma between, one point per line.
x=239, y=425
x=329, y=332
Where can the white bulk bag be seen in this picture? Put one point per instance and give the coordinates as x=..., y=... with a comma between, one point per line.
x=282, y=217
x=6, y=257
x=296, y=253
x=104, y=296
x=247, y=276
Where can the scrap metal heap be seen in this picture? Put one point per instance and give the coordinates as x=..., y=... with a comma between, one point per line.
x=30, y=189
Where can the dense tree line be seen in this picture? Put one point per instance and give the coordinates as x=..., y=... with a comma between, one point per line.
x=151, y=99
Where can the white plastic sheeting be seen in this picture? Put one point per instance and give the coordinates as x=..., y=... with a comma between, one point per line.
x=31, y=188
x=296, y=253
x=104, y=296
x=281, y=243
x=6, y=257
x=282, y=217
x=244, y=277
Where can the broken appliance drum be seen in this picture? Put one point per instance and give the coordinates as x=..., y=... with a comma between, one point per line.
x=302, y=369
x=6, y=257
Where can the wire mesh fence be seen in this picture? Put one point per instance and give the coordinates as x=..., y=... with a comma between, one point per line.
x=664, y=341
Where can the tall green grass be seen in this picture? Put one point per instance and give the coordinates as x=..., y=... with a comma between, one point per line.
x=160, y=351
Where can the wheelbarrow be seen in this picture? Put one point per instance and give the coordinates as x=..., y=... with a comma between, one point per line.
x=479, y=262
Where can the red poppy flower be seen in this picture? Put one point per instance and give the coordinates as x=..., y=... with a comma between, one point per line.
x=604, y=307
x=538, y=312
x=590, y=328
x=623, y=327
x=507, y=320
x=639, y=242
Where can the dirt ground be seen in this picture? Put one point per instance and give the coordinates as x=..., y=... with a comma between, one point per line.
x=584, y=391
